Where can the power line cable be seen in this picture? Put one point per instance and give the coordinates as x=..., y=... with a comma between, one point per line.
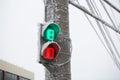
x=108, y=32
x=108, y=14
x=99, y=26
x=97, y=33
x=114, y=57
x=116, y=61
x=95, y=30
x=94, y=16
x=106, y=29
x=110, y=4
x=115, y=22
x=114, y=16
x=104, y=22
x=103, y=33
x=110, y=17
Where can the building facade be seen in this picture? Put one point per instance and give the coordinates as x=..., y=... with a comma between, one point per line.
x=12, y=72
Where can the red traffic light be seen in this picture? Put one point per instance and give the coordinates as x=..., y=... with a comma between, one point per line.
x=49, y=53
x=50, y=50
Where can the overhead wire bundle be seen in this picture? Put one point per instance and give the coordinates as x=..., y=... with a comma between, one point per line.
x=106, y=38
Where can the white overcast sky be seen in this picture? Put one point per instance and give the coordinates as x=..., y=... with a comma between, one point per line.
x=19, y=20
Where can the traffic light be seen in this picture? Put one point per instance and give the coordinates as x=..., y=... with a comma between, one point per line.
x=49, y=48
x=50, y=31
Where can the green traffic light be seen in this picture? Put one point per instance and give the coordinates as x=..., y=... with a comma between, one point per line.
x=51, y=32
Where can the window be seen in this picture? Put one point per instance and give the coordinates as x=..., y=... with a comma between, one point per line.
x=1, y=75
x=9, y=71
x=21, y=78
x=10, y=76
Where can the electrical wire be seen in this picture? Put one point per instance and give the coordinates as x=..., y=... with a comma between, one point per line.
x=94, y=16
x=108, y=32
x=95, y=30
x=116, y=23
x=103, y=33
x=110, y=17
x=113, y=55
x=110, y=4
x=108, y=14
x=97, y=33
x=109, y=46
x=113, y=16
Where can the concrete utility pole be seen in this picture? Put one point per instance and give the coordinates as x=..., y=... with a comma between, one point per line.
x=57, y=12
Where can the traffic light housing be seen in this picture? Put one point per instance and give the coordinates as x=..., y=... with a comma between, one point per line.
x=49, y=47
